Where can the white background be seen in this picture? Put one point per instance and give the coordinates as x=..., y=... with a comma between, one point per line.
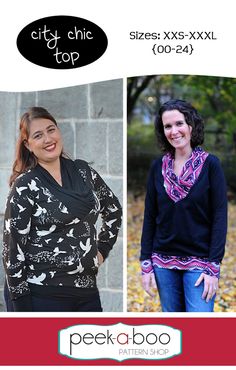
x=124, y=57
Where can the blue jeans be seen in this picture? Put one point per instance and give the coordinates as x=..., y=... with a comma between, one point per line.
x=178, y=293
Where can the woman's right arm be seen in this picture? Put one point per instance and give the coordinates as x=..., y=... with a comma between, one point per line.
x=149, y=227
x=150, y=214
x=17, y=222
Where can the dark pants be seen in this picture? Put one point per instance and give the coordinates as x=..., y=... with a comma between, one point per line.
x=7, y=299
x=46, y=304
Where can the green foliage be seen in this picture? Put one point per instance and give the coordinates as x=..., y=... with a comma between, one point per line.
x=213, y=97
x=141, y=138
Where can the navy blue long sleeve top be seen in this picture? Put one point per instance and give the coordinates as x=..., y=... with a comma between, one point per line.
x=194, y=226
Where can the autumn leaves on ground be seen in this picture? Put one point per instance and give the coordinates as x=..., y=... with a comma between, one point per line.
x=139, y=301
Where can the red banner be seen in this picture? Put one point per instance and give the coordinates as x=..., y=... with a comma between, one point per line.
x=35, y=341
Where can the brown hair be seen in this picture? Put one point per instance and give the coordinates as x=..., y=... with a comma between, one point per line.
x=192, y=118
x=24, y=159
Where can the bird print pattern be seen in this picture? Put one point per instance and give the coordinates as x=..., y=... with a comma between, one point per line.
x=46, y=244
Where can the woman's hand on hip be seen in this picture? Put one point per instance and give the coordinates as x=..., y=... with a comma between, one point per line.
x=100, y=258
x=210, y=286
x=149, y=283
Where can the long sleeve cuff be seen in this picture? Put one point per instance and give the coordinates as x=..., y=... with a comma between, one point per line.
x=146, y=267
x=212, y=269
x=104, y=248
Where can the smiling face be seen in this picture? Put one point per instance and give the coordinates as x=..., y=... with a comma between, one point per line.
x=44, y=140
x=176, y=130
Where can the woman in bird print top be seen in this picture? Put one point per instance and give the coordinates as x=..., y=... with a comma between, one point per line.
x=51, y=250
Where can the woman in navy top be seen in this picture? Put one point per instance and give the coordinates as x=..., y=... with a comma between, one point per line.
x=185, y=218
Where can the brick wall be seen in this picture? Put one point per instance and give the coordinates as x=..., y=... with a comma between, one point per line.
x=91, y=120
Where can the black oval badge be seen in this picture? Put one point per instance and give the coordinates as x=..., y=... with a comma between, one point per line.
x=62, y=42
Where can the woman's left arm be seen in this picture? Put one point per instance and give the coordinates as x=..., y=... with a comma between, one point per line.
x=111, y=214
x=218, y=202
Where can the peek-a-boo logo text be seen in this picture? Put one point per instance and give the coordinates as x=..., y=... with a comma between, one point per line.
x=120, y=342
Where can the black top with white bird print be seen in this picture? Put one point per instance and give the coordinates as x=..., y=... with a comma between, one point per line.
x=50, y=237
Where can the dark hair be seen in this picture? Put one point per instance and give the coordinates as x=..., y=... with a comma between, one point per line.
x=24, y=159
x=192, y=118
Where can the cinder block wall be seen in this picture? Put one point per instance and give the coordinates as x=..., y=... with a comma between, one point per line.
x=91, y=120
